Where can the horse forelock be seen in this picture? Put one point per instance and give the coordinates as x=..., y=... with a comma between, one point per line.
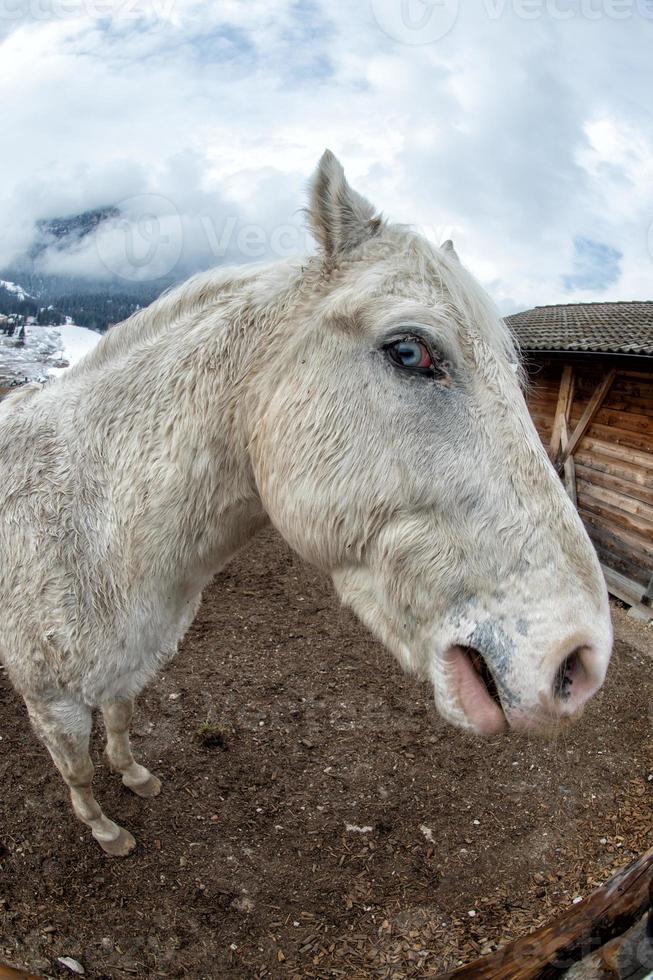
x=402, y=263
x=460, y=299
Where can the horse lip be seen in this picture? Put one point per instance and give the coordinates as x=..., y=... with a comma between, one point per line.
x=472, y=685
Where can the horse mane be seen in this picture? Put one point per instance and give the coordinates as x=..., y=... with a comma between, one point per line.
x=479, y=311
x=463, y=301
x=21, y=394
x=179, y=303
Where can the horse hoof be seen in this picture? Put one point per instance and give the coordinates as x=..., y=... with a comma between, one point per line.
x=151, y=787
x=120, y=846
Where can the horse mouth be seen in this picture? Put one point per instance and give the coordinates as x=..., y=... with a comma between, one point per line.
x=480, y=666
x=475, y=689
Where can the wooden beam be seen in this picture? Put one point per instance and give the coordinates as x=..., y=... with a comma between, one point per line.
x=617, y=538
x=11, y=973
x=628, y=591
x=583, y=928
x=640, y=459
x=565, y=398
x=585, y=420
x=569, y=465
x=560, y=432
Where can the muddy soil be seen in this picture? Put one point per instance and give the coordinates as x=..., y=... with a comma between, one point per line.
x=317, y=817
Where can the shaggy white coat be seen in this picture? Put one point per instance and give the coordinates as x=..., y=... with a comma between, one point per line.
x=264, y=394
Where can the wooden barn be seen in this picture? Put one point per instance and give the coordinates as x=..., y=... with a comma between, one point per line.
x=590, y=368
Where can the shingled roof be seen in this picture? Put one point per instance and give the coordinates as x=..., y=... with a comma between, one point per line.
x=620, y=328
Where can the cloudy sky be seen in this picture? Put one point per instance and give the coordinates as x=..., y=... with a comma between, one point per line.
x=521, y=128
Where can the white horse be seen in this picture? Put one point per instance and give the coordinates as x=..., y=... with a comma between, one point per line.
x=366, y=403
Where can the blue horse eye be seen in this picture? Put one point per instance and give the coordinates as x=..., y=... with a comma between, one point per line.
x=411, y=354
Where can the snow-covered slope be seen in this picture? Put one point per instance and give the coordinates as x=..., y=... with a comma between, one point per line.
x=28, y=361
x=74, y=343
x=45, y=351
x=13, y=287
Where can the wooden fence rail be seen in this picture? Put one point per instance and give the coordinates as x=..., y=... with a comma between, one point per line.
x=555, y=947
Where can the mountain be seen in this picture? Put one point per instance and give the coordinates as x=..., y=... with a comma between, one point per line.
x=14, y=289
x=27, y=290
x=14, y=298
x=64, y=232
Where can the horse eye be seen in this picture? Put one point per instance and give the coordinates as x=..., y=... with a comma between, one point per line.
x=412, y=354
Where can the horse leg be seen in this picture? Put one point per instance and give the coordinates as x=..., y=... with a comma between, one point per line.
x=65, y=728
x=117, y=718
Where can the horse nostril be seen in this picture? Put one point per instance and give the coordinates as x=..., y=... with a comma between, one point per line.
x=570, y=674
x=480, y=666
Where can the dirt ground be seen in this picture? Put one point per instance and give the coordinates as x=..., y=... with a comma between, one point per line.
x=317, y=818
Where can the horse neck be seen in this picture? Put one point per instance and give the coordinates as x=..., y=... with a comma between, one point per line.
x=171, y=421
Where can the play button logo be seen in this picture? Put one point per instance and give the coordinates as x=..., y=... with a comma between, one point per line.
x=415, y=21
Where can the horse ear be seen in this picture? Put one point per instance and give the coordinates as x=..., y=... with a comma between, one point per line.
x=448, y=247
x=339, y=217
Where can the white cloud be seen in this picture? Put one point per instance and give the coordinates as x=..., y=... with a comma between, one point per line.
x=525, y=127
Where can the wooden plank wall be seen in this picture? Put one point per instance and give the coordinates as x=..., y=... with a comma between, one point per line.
x=614, y=459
